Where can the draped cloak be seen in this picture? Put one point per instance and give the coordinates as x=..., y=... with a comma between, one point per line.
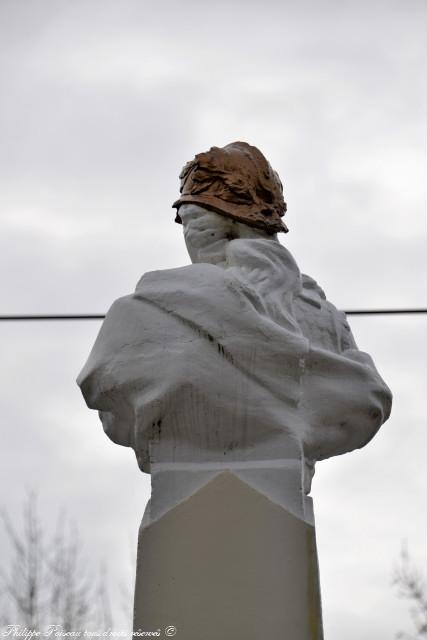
x=198, y=358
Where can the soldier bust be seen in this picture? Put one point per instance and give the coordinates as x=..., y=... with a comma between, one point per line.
x=237, y=356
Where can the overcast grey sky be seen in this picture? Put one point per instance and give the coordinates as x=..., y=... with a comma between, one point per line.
x=102, y=103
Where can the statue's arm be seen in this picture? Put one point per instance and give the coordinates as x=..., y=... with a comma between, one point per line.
x=345, y=398
x=107, y=379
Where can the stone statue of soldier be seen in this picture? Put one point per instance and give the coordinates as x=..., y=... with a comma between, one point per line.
x=234, y=369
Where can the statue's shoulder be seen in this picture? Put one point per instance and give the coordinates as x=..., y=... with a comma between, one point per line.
x=311, y=292
x=319, y=319
x=165, y=279
x=186, y=289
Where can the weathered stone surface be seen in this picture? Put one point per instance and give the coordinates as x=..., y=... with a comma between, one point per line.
x=242, y=358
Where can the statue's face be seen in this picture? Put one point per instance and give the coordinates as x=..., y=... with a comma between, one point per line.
x=207, y=233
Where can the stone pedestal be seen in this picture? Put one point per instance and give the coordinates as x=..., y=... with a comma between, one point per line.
x=235, y=559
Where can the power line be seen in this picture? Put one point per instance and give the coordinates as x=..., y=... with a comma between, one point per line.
x=101, y=316
x=379, y=312
x=57, y=316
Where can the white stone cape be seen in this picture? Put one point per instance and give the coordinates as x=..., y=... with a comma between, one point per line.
x=198, y=359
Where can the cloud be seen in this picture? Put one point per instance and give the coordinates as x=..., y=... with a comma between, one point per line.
x=103, y=102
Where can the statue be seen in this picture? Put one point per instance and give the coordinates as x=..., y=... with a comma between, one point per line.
x=235, y=366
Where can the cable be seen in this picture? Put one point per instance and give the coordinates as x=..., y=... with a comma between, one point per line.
x=58, y=316
x=101, y=316
x=378, y=312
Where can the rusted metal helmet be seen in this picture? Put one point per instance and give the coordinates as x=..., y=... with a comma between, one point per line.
x=235, y=181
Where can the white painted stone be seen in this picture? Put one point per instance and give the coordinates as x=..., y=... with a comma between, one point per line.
x=278, y=480
x=243, y=358
x=236, y=363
